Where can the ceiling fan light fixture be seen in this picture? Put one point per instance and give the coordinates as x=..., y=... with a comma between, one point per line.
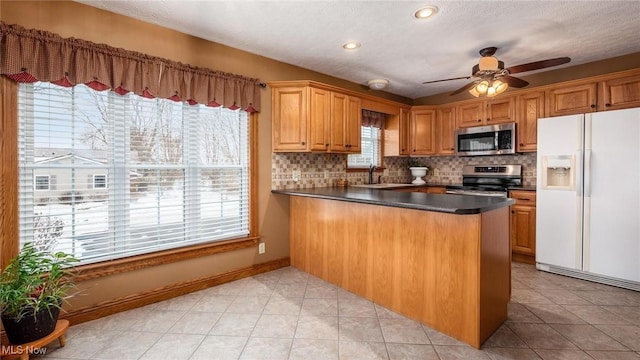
x=488, y=63
x=482, y=87
x=425, y=12
x=499, y=86
x=378, y=84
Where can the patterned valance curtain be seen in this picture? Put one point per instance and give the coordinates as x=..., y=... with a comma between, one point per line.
x=28, y=55
x=373, y=119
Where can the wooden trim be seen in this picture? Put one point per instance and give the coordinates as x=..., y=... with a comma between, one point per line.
x=9, y=231
x=167, y=292
x=523, y=258
x=253, y=175
x=106, y=268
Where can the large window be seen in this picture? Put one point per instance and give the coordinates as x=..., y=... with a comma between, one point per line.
x=133, y=175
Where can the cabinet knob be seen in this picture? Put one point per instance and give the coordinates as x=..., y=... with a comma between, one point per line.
x=593, y=106
x=521, y=144
x=479, y=120
x=326, y=145
x=488, y=119
x=607, y=104
x=303, y=143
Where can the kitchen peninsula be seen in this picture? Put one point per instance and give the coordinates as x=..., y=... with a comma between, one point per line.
x=443, y=260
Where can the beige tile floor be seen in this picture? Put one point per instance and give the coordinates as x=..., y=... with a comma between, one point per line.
x=288, y=314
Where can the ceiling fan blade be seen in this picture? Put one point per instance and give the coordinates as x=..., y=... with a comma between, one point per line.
x=455, y=78
x=514, y=81
x=538, y=65
x=464, y=88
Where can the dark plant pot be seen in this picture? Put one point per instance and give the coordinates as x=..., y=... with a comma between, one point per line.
x=31, y=326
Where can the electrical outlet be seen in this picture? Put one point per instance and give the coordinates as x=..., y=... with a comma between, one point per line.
x=296, y=175
x=435, y=172
x=261, y=248
x=326, y=174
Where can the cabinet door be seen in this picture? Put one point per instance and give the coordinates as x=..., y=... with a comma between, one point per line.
x=339, y=113
x=621, y=93
x=500, y=110
x=523, y=225
x=353, y=126
x=530, y=107
x=396, y=134
x=405, y=132
x=523, y=229
x=445, y=131
x=422, y=132
x=569, y=100
x=320, y=112
x=470, y=114
x=289, y=117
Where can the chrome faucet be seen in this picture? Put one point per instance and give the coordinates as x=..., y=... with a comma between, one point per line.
x=371, y=170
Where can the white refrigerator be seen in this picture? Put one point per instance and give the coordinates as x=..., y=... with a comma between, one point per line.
x=588, y=197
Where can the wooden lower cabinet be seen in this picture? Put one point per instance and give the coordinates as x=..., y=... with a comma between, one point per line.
x=523, y=226
x=451, y=272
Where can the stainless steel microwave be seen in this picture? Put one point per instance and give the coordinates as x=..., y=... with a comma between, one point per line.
x=486, y=140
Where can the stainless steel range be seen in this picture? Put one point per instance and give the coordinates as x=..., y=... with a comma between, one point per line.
x=488, y=180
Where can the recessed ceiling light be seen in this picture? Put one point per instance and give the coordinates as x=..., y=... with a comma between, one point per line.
x=425, y=12
x=351, y=45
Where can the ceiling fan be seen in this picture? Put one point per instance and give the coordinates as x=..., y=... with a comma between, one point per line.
x=492, y=78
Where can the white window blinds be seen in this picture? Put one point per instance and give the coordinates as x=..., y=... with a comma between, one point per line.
x=371, y=149
x=128, y=175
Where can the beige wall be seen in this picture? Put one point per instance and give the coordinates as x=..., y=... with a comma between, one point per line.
x=70, y=19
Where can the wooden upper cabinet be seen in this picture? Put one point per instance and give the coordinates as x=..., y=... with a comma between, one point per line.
x=397, y=138
x=486, y=112
x=423, y=124
x=346, y=123
x=289, y=119
x=530, y=107
x=621, y=93
x=470, y=114
x=573, y=99
x=500, y=110
x=320, y=113
x=353, y=125
x=405, y=132
x=338, y=119
x=445, y=131
x=308, y=118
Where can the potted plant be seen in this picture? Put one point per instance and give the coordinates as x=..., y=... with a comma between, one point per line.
x=418, y=170
x=32, y=288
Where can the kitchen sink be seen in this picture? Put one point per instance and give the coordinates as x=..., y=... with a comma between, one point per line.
x=382, y=186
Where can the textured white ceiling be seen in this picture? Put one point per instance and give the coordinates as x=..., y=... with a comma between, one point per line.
x=395, y=45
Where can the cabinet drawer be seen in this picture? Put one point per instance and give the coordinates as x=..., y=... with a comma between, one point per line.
x=523, y=197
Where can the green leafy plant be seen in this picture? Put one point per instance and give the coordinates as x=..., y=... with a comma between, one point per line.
x=35, y=280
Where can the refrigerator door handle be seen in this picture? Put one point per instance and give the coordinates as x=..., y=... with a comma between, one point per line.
x=578, y=164
x=587, y=173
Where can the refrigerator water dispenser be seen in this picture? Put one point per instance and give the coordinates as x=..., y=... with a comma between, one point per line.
x=558, y=172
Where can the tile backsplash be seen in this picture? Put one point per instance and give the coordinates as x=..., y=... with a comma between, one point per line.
x=321, y=170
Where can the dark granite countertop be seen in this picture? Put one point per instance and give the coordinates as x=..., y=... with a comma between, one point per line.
x=448, y=203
